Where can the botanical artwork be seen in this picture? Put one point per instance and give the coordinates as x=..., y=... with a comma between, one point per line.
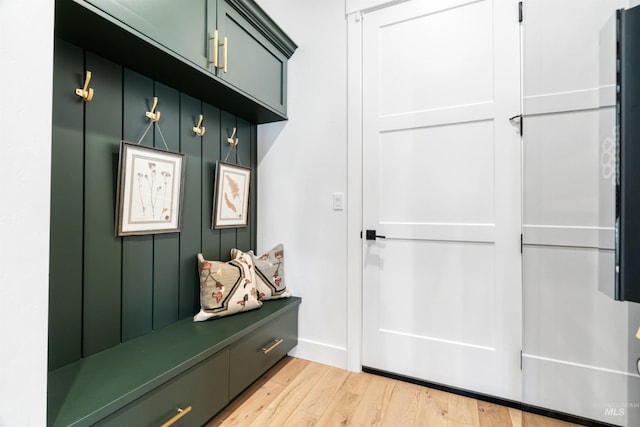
x=231, y=193
x=149, y=190
x=231, y=199
x=154, y=192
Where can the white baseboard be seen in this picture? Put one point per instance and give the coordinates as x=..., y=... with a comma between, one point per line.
x=321, y=353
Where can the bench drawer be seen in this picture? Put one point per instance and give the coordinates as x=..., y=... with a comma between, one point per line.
x=203, y=388
x=255, y=353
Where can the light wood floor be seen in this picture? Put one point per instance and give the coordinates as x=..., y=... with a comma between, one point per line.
x=296, y=392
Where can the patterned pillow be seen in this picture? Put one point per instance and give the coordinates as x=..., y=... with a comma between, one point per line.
x=226, y=287
x=269, y=272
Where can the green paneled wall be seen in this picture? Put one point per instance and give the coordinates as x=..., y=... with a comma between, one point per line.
x=102, y=250
x=67, y=188
x=137, y=251
x=105, y=290
x=211, y=148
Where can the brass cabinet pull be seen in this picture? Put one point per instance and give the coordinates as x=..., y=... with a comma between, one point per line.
x=214, y=47
x=181, y=413
x=224, y=54
x=276, y=342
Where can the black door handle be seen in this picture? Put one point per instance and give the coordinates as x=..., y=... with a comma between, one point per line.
x=371, y=235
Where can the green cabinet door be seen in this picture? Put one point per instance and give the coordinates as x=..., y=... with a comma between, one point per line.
x=200, y=392
x=254, y=65
x=174, y=41
x=254, y=354
x=181, y=26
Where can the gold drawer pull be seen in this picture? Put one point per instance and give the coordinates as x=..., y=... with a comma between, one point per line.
x=214, y=48
x=215, y=45
x=276, y=343
x=181, y=413
x=225, y=67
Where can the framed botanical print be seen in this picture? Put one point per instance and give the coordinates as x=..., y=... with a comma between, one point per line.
x=231, y=196
x=150, y=190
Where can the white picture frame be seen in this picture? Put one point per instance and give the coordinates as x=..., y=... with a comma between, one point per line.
x=231, y=196
x=150, y=190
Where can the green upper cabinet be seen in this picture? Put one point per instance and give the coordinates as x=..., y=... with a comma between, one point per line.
x=174, y=42
x=180, y=26
x=252, y=63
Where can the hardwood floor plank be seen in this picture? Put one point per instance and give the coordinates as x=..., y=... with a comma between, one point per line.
x=403, y=405
x=453, y=423
x=491, y=415
x=530, y=420
x=516, y=417
x=252, y=397
x=320, y=396
x=289, y=369
x=236, y=405
x=433, y=408
x=340, y=410
x=300, y=419
x=463, y=410
x=374, y=403
x=246, y=412
x=297, y=392
x=358, y=382
x=277, y=412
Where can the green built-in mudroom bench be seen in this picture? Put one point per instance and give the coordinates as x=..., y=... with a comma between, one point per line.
x=185, y=372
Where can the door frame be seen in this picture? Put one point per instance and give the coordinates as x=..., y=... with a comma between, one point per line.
x=355, y=11
x=354, y=190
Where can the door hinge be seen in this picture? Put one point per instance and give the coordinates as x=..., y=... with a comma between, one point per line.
x=361, y=234
x=521, y=360
x=520, y=12
x=521, y=242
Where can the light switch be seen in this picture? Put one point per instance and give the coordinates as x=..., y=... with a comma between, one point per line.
x=338, y=201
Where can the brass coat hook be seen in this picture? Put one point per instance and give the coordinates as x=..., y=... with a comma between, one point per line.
x=86, y=93
x=153, y=115
x=231, y=140
x=198, y=129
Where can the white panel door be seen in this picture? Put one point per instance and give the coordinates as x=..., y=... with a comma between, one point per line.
x=442, y=182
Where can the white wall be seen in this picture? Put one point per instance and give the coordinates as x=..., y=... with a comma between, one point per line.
x=301, y=163
x=26, y=64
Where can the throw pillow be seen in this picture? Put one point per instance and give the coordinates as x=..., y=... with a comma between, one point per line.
x=269, y=268
x=226, y=287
